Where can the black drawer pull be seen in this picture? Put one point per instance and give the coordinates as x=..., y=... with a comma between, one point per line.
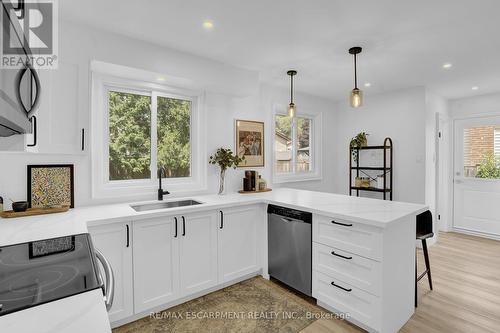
x=335, y=285
x=221, y=219
x=341, y=256
x=183, y=226
x=175, y=220
x=342, y=224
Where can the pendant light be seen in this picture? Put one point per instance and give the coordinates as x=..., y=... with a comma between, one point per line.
x=356, y=97
x=292, y=109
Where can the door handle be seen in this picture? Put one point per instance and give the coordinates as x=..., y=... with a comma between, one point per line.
x=128, y=235
x=109, y=288
x=175, y=221
x=183, y=226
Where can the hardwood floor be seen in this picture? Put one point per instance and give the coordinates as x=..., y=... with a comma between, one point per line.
x=466, y=296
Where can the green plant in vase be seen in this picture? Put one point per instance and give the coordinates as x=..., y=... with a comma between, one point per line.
x=225, y=159
x=360, y=140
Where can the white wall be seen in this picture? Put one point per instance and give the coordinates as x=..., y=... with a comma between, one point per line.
x=436, y=190
x=399, y=115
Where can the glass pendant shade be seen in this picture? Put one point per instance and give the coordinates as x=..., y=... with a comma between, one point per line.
x=292, y=110
x=356, y=98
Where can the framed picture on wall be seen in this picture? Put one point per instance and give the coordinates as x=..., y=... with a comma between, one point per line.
x=51, y=185
x=250, y=142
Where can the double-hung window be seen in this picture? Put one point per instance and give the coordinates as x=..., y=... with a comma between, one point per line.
x=296, y=142
x=144, y=128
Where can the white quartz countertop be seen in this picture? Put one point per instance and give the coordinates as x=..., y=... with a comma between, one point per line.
x=378, y=213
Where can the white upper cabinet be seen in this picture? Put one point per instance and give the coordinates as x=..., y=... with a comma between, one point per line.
x=238, y=253
x=156, y=262
x=62, y=121
x=114, y=241
x=61, y=116
x=198, y=251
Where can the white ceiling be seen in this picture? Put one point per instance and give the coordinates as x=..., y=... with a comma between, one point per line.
x=405, y=42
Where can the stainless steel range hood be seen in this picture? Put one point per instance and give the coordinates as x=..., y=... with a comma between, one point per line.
x=13, y=120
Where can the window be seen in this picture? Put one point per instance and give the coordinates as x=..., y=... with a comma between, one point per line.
x=294, y=141
x=481, y=155
x=140, y=127
x=130, y=126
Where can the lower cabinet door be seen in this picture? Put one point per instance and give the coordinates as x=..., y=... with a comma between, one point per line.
x=114, y=241
x=198, y=251
x=238, y=254
x=156, y=262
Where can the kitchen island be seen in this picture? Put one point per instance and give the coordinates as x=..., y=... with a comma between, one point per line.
x=168, y=256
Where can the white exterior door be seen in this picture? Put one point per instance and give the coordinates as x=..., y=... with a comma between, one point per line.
x=114, y=241
x=156, y=262
x=198, y=251
x=238, y=254
x=477, y=175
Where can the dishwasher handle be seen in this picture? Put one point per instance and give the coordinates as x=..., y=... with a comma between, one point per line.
x=109, y=287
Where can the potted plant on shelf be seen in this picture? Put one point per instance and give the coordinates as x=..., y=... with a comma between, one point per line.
x=225, y=159
x=360, y=140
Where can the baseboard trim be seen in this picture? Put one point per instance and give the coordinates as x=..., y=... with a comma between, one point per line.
x=475, y=233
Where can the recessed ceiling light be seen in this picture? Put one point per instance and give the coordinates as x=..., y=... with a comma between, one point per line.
x=447, y=65
x=208, y=24
x=160, y=78
x=368, y=84
x=475, y=88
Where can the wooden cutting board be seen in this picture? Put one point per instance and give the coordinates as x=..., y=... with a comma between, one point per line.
x=34, y=211
x=250, y=192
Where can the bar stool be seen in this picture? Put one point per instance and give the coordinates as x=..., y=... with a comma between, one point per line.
x=424, y=231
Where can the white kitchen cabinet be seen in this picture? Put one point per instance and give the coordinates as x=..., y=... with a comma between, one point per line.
x=238, y=253
x=61, y=116
x=114, y=241
x=156, y=262
x=198, y=251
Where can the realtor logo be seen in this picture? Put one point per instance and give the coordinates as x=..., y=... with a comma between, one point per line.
x=29, y=34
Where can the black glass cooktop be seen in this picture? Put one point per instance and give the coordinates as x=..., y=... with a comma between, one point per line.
x=38, y=272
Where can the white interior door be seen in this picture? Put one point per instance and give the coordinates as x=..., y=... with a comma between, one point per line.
x=477, y=175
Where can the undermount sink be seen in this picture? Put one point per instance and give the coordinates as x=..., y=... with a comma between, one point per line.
x=164, y=205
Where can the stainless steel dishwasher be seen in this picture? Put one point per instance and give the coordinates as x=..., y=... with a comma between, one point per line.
x=290, y=247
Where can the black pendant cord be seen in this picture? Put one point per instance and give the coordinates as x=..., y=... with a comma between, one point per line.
x=291, y=89
x=355, y=73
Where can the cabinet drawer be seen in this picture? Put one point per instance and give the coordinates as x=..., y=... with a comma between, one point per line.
x=361, y=306
x=360, y=239
x=361, y=272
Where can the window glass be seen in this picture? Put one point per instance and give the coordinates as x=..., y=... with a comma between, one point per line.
x=129, y=136
x=283, y=144
x=482, y=152
x=174, y=136
x=303, y=162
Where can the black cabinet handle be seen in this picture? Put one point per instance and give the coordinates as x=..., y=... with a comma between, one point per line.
x=83, y=139
x=221, y=219
x=34, y=126
x=175, y=219
x=128, y=235
x=336, y=285
x=183, y=226
x=342, y=224
x=341, y=256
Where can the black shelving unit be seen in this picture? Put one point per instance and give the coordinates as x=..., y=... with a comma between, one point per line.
x=386, y=168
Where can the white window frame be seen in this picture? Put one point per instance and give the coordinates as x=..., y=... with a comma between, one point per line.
x=315, y=148
x=102, y=187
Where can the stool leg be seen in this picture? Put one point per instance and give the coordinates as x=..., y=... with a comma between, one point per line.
x=427, y=264
x=416, y=282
